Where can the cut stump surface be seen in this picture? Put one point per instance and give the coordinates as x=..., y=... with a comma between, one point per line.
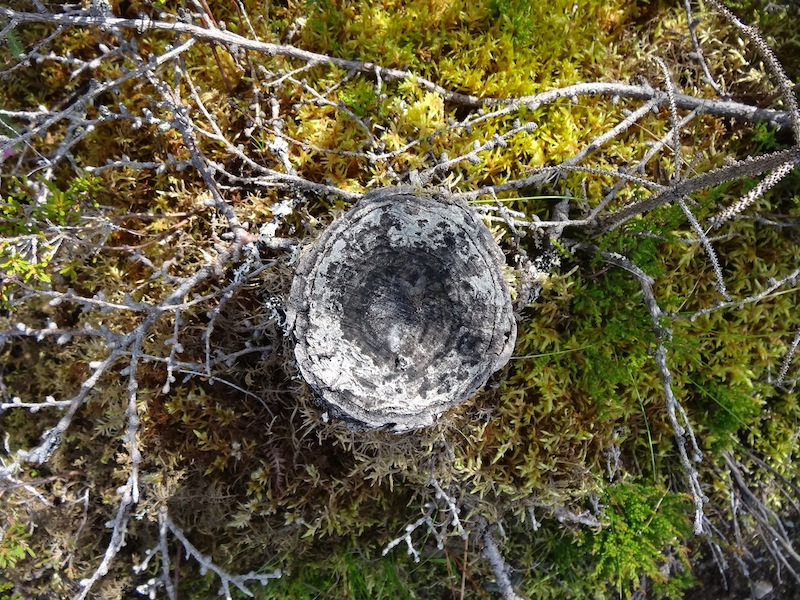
x=399, y=310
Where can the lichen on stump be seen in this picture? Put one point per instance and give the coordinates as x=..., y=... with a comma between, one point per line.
x=399, y=310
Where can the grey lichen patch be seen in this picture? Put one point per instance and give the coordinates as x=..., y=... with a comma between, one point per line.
x=399, y=310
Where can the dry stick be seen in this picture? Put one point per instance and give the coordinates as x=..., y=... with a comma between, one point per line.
x=93, y=93
x=452, y=519
x=733, y=110
x=772, y=63
x=496, y=562
x=321, y=150
x=743, y=168
x=639, y=168
x=227, y=580
x=706, y=243
x=563, y=515
x=132, y=414
x=426, y=519
x=183, y=124
x=9, y=482
x=464, y=568
x=163, y=550
x=71, y=296
x=774, y=531
x=692, y=24
x=22, y=62
x=159, y=549
x=716, y=551
x=240, y=8
x=611, y=134
x=130, y=492
x=788, y=488
x=51, y=440
x=279, y=147
x=212, y=22
x=543, y=174
x=323, y=101
x=136, y=165
x=673, y=118
x=472, y=156
x=787, y=94
x=682, y=428
x=766, y=184
x=451, y=505
x=271, y=177
x=787, y=360
x=117, y=540
x=773, y=285
x=216, y=134
x=278, y=179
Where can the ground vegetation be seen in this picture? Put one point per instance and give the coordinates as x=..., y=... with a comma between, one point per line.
x=164, y=163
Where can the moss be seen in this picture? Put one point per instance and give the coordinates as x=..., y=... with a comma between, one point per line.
x=243, y=459
x=644, y=524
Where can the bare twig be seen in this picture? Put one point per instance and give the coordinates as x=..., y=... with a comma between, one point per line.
x=712, y=107
x=772, y=63
x=227, y=580
x=438, y=530
x=787, y=360
x=712, y=256
x=772, y=530
x=675, y=412
x=698, y=52
x=757, y=192
x=499, y=567
x=737, y=170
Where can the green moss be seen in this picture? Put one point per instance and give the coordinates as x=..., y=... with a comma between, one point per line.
x=350, y=574
x=645, y=526
x=244, y=460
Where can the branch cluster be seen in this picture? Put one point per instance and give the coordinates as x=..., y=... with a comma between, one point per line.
x=39, y=144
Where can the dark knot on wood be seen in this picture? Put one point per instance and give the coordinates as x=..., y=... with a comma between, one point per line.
x=399, y=310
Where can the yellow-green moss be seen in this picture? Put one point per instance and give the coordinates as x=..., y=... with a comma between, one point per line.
x=258, y=478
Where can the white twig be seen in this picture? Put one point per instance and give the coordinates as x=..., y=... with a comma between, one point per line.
x=119, y=530
x=426, y=519
x=787, y=360
x=681, y=427
x=240, y=582
x=498, y=564
x=451, y=505
x=713, y=107
x=766, y=184
x=673, y=118
x=771, y=527
x=438, y=530
x=698, y=52
x=772, y=286
x=746, y=168
x=772, y=63
x=712, y=255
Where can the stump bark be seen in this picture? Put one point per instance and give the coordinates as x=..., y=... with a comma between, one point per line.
x=399, y=310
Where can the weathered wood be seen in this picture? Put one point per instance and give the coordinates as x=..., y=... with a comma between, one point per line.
x=399, y=310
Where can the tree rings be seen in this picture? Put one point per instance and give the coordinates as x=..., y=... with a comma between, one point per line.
x=399, y=310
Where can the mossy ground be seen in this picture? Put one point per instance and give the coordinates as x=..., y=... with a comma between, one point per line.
x=245, y=462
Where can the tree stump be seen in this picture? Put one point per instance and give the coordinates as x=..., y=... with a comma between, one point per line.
x=399, y=310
